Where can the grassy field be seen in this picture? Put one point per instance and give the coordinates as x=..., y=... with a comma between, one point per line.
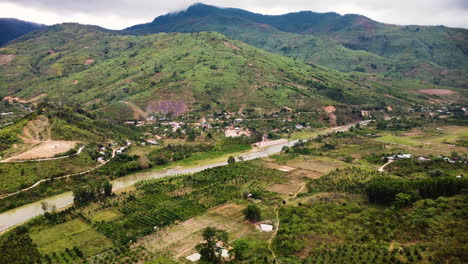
x=432, y=139
x=69, y=234
x=105, y=215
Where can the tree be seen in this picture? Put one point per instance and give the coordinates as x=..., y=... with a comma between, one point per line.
x=107, y=186
x=231, y=160
x=209, y=249
x=403, y=200
x=240, y=247
x=253, y=213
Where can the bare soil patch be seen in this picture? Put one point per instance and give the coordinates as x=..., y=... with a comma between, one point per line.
x=88, y=62
x=12, y=99
x=438, y=92
x=329, y=109
x=6, y=58
x=46, y=149
x=232, y=46
x=165, y=106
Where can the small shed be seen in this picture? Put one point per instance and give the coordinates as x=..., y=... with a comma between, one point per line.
x=266, y=227
x=194, y=257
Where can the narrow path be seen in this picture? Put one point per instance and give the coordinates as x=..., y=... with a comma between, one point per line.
x=45, y=159
x=381, y=169
x=270, y=241
x=137, y=112
x=61, y=177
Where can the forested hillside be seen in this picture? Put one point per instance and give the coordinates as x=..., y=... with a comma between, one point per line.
x=346, y=43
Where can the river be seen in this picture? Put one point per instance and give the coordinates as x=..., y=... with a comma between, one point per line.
x=21, y=214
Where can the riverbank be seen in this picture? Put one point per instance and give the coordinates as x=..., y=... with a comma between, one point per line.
x=24, y=213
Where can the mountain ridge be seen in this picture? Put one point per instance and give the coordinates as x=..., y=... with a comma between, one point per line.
x=12, y=28
x=360, y=42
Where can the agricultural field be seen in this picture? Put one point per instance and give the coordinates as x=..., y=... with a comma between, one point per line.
x=73, y=233
x=325, y=199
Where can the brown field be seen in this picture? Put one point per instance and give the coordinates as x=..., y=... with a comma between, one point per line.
x=166, y=106
x=294, y=186
x=329, y=109
x=6, y=58
x=46, y=149
x=438, y=92
x=180, y=240
x=88, y=62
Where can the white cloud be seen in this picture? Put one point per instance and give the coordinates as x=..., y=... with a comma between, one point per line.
x=118, y=14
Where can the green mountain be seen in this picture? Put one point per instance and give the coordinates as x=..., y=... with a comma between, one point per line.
x=97, y=67
x=11, y=29
x=346, y=43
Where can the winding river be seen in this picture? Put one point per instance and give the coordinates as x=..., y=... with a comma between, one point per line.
x=21, y=214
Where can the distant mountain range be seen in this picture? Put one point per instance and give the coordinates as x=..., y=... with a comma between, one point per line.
x=435, y=54
x=11, y=28
x=134, y=72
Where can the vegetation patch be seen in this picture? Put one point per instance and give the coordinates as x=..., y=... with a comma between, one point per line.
x=73, y=233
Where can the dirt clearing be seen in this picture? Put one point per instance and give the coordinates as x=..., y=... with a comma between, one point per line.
x=438, y=92
x=6, y=58
x=12, y=99
x=46, y=149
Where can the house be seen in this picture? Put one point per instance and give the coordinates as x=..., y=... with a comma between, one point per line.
x=152, y=142
x=405, y=156
x=299, y=127
x=120, y=150
x=400, y=156
x=101, y=160
x=423, y=159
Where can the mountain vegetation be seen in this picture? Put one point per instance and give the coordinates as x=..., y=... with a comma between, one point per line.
x=186, y=72
x=435, y=54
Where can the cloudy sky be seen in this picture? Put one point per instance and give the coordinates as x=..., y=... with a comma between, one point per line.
x=118, y=14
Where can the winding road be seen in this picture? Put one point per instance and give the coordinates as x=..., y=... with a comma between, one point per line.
x=61, y=177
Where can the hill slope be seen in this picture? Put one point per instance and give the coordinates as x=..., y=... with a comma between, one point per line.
x=345, y=43
x=11, y=29
x=87, y=64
